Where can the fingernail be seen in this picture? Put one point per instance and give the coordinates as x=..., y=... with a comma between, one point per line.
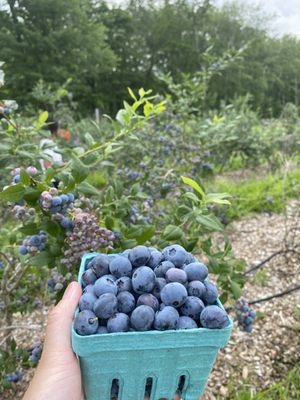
x=70, y=290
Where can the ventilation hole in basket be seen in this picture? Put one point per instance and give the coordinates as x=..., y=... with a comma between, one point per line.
x=148, y=388
x=180, y=387
x=115, y=387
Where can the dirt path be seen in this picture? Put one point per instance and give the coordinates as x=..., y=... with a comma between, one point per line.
x=254, y=360
x=258, y=359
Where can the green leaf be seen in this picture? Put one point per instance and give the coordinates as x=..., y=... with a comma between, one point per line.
x=172, y=232
x=132, y=94
x=29, y=229
x=109, y=222
x=31, y=196
x=51, y=227
x=217, y=198
x=87, y=189
x=191, y=196
x=210, y=222
x=13, y=193
x=41, y=259
x=236, y=289
x=79, y=170
x=49, y=174
x=25, y=178
x=193, y=184
x=109, y=195
x=141, y=233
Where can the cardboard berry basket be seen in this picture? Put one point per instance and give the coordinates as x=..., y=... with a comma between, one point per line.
x=131, y=358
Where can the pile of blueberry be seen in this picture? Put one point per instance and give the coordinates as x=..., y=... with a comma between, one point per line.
x=16, y=377
x=245, y=315
x=33, y=244
x=144, y=289
x=35, y=353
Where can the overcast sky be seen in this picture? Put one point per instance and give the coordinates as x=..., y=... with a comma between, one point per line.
x=287, y=12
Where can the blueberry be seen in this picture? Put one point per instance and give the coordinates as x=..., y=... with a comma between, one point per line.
x=23, y=250
x=87, y=301
x=16, y=178
x=161, y=270
x=100, y=265
x=106, y=306
x=173, y=294
x=70, y=197
x=120, y=266
x=176, y=254
x=126, y=302
x=166, y=319
x=86, y=323
x=143, y=280
x=252, y=313
x=119, y=322
x=192, y=307
x=248, y=321
x=190, y=259
x=34, y=241
x=66, y=223
x=214, y=317
x=245, y=308
x=211, y=293
x=110, y=276
x=124, y=284
x=88, y=289
x=139, y=256
x=196, y=271
x=186, y=323
x=105, y=285
x=64, y=198
x=156, y=258
x=147, y=299
x=125, y=253
x=142, y=318
x=56, y=201
x=102, y=330
x=159, y=284
x=248, y=328
x=88, y=277
x=196, y=288
x=176, y=275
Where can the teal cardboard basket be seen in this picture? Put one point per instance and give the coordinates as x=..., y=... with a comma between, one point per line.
x=133, y=357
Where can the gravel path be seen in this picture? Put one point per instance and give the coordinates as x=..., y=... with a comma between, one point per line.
x=251, y=360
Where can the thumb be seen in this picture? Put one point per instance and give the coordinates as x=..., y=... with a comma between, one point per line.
x=58, y=331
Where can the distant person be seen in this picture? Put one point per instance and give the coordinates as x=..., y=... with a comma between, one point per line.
x=49, y=147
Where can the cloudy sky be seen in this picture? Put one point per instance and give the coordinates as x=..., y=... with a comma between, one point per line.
x=286, y=11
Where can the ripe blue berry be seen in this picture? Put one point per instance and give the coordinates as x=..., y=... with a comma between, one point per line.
x=126, y=302
x=196, y=288
x=176, y=254
x=161, y=270
x=120, y=266
x=143, y=280
x=214, y=317
x=124, y=284
x=86, y=323
x=211, y=293
x=147, y=299
x=176, y=275
x=105, y=285
x=173, y=294
x=87, y=301
x=186, y=323
x=139, y=256
x=196, y=271
x=142, y=318
x=88, y=277
x=100, y=265
x=106, y=306
x=159, y=284
x=119, y=322
x=192, y=307
x=167, y=318
x=155, y=259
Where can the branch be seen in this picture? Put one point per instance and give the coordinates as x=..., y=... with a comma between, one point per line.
x=280, y=294
x=32, y=327
x=262, y=263
x=22, y=273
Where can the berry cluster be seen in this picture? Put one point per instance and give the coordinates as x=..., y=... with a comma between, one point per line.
x=23, y=213
x=33, y=244
x=144, y=289
x=57, y=281
x=5, y=110
x=16, y=377
x=86, y=236
x=52, y=202
x=35, y=353
x=245, y=315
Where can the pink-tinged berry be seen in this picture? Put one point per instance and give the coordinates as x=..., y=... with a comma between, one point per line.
x=31, y=170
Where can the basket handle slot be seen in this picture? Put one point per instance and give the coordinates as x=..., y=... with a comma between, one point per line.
x=115, y=389
x=148, y=388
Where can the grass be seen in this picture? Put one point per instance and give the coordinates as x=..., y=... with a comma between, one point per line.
x=287, y=389
x=268, y=194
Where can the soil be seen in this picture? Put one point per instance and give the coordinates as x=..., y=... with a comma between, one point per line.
x=254, y=360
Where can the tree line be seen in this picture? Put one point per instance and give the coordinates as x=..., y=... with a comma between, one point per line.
x=105, y=49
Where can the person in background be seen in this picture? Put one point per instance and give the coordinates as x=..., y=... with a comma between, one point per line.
x=49, y=147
